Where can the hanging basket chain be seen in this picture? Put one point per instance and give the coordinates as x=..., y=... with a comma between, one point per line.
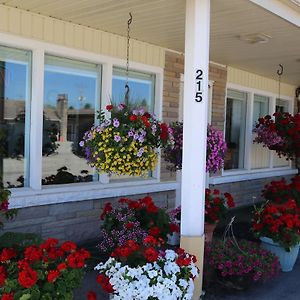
x=127, y=59
x=279, y=73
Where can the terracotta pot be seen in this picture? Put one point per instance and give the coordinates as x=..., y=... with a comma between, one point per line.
x=209, y=231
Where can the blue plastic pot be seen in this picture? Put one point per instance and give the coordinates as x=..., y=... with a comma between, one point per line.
x=287, y=259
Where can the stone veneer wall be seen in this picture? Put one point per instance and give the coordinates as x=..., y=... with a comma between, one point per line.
x=247, y=192
x=77, y=221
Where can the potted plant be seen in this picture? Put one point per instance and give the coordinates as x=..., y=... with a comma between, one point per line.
x=216, y=208
x=278, y=227
x=238, y=264
x=279, y=191
x=142, y=271
x=126, y=143
x=133, y=220
x=215, y=149
x=45, y=271
x=4, y=204
x=175, y=216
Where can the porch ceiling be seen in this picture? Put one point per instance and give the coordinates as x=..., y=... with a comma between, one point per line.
x=161, y=22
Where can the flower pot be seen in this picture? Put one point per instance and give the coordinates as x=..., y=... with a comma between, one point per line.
x=174, y=239
x=287, y=259
x=209, y=231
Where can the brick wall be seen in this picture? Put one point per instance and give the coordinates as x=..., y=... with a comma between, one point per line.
x=218, y=74
x=77, y=221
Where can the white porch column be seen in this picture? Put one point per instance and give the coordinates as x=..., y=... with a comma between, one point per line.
x=195, y=103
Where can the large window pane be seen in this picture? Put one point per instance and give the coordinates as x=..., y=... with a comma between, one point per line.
x=15, y=83
x=235, y=129
x=71, y=96
x=141, y=89
x=260, y=156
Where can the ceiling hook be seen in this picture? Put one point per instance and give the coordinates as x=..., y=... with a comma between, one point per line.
x=280, y=70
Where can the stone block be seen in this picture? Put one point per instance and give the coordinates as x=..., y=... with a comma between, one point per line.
x=69, y=207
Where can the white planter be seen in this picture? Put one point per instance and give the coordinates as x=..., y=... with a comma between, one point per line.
x=287, y=259
x=174, y=239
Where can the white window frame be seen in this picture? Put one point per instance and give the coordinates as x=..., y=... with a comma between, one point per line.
x=247, y=173
x=36, y=194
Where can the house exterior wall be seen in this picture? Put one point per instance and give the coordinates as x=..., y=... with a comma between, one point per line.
x=43, y=28
x=77, y=221
x=255, y=81
x=246, y=192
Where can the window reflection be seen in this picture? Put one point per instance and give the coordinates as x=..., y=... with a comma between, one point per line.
x=70, y=99
x=15, y=85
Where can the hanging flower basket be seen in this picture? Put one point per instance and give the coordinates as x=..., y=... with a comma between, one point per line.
x=127, y=143
x=215, y=149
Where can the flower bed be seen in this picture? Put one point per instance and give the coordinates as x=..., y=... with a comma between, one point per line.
x=47, y=271
x=126, y=143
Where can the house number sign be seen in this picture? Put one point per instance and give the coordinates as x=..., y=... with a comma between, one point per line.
x=199, y=78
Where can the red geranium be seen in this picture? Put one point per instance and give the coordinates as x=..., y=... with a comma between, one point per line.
x=9, y=296
x=216, y=205
x=151, y=254
x=134, y=220
x=28, y=277
x=36, y=265
x=91, y=295
x=68, y=246
x=7, y=254
x=280, y=222
x=52, y=275
x=3, y=275
x=109, y=107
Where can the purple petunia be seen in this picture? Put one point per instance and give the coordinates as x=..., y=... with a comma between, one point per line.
x=116, y=123
x=117, y=138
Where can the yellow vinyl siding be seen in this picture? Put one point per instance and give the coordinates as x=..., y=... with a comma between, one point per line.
x=31, y=25
x=255, y=81
x=260, y=157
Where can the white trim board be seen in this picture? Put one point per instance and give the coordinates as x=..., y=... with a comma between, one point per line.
x=243, y=176
x=82, y=192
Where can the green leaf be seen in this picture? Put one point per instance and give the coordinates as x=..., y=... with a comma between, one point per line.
x=25, y=297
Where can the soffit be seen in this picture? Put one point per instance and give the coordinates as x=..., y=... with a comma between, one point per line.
x=161, y=22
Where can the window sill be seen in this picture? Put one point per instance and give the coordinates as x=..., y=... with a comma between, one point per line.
x=243, y=175
x=27, y=197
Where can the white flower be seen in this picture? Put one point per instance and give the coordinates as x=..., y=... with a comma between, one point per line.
x=138, y=284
